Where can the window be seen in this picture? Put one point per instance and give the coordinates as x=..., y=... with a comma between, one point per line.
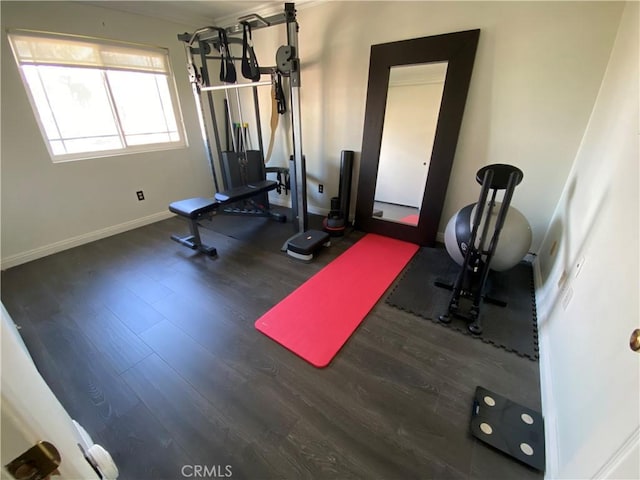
x=94, y=97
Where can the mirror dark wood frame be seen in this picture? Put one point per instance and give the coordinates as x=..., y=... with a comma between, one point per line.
x=459, y=50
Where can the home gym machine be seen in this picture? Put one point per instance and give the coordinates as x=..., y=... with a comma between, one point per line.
x=477, y=253
x=242, y=168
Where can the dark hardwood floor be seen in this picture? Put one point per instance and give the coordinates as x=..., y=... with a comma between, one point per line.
x=152, y=349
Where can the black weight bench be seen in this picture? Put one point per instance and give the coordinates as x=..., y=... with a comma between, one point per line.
x=194, y=209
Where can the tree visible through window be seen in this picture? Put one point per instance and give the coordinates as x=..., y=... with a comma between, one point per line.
x=94, y=97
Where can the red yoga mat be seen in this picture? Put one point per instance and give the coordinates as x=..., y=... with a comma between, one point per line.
x=316, y=319
x=412, y=219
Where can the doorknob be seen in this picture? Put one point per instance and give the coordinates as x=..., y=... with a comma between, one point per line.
x=37, y=463
x=634, y=341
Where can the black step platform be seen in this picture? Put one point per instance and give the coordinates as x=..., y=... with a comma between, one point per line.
x=305, y=244
x=508, y=426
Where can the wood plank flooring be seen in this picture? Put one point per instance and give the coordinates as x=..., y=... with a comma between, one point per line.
x=151, y=347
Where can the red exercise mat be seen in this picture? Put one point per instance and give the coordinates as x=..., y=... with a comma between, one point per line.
x=412, y=219
x=316, y=319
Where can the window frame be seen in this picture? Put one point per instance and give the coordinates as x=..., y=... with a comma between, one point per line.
x=127, y=149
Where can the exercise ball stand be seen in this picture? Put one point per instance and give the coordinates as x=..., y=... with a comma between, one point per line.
x=472, y=278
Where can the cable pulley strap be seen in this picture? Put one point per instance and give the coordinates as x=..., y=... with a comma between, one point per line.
x=278, y=106
x=227, y=69
x=273, y=123
x=227, y=126
x=250, y=68
x=279, y=95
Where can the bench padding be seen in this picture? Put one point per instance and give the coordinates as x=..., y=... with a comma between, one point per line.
x=246, y=191
x=194, y=207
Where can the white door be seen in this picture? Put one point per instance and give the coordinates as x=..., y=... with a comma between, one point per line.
x=31, y=413
x=410, y=121
x=605, y=291
x=594, y=374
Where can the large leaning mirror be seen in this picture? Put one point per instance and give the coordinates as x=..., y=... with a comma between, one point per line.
x=415, y=100
x=411, y=117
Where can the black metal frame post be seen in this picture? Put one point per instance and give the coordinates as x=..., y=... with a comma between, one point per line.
x=294, y=86
x=195, y=80
x=204, y=72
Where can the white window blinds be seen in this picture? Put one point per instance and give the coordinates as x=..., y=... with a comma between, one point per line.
x=36, y=48
x=95, y=97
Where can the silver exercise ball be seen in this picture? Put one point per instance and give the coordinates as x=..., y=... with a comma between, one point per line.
x=513, y=245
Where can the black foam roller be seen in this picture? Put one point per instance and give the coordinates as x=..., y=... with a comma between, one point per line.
x=346, y=172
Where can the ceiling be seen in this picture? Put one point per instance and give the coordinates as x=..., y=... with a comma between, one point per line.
x=195, y=13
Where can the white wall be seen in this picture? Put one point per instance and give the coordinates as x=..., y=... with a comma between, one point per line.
x=588, y=284
x=48, y=207
x=537, y=71
x=536, y=75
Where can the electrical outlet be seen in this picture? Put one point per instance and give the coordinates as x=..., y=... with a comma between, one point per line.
x=320, y=188
x=562, y=280
x=140, y=195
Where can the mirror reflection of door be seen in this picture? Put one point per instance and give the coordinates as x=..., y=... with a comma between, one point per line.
x=411, y=117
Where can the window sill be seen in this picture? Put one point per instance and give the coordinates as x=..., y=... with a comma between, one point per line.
x=118, y=153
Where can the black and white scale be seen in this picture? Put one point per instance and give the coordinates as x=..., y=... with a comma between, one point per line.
x=510, y=427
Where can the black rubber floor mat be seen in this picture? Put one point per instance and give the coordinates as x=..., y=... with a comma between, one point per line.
x=513, y=327
x=263, y=232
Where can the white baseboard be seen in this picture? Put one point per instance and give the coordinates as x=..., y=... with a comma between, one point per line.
x=548, y=408
x=546, y=385
x=537, y=274
x=45, y=250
